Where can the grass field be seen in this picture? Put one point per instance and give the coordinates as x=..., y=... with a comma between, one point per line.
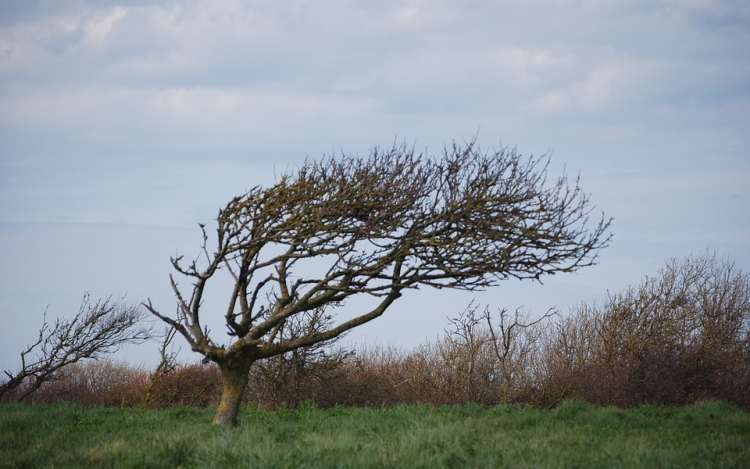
x=709, y=434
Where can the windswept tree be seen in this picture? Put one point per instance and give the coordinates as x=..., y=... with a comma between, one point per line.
x=96, y=330
x=375, y=226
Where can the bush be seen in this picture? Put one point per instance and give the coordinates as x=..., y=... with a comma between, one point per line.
x=93, y=382
x=676, y=338
x=313, y=374
x=196, y=385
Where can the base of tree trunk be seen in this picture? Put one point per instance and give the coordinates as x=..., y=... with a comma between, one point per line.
x=235, y=378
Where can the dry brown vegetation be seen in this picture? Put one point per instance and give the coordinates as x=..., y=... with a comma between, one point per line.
x=676, y=338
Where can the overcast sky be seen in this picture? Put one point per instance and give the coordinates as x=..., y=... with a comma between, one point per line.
x=124, y=124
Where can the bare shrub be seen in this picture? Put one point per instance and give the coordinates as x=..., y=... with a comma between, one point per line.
x=167, y=364
x=95, y=382
x=376, y=376
x=310, y=373
x=196, y=385
x=676, y=338
x=467, y=369
x=300, y=375
x=516, y=343
x=481, y=358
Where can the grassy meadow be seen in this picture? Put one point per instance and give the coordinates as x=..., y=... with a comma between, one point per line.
x=707, y=434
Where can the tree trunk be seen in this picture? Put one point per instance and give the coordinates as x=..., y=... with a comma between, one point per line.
x=234, y=375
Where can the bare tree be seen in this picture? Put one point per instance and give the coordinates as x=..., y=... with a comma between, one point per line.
x=167, y=364
x=459, y=367
x=97, y=329
x=486, y=358
x=514, y=342
x=378, y=226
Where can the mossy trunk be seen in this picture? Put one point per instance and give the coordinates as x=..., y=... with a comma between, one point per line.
x=234, y=375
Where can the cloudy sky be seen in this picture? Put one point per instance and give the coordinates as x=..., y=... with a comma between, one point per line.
x=125, y=123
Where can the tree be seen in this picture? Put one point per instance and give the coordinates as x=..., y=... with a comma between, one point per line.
x=375, y=227
x=485, y=358
x=97, y=329
x=167, y=365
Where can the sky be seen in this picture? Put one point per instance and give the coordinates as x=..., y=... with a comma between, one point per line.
x=124, y=124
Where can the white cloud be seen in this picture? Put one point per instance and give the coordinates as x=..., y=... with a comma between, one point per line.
x=610, y=85
x=97, y=27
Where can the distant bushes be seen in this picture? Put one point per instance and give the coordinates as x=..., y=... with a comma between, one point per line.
x=105, y=382
x=679, y=337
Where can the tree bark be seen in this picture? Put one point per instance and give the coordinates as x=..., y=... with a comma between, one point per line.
x=234, y=375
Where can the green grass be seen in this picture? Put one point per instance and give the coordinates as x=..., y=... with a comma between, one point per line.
x=709, y=434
